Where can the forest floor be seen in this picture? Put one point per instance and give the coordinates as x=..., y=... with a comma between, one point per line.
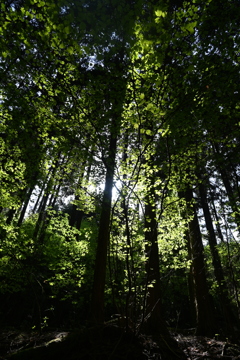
x=113, y=345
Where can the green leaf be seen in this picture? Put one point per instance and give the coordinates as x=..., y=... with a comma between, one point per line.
x=160, y=13
x=190, y=27
x=149, y=132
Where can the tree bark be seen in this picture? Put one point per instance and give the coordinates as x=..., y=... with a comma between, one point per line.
x=204, y=310
x=217, y=220
x=25, y=205
x=154, y=322
x=228, y=316
x=154, y=312
x=227, y=184
x=97, y=305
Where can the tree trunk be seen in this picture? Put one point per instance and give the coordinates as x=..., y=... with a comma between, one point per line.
x=204, y=310
x=97, y=305
x=154, y=322
x=76, y=214
x=227, y=184
x=41, y=217
x=154, y=312
x=54, y=196
x=228, y=316
x=217, y=220
x=25, y=205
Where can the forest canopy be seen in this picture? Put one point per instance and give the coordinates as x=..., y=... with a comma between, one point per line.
x=119, y=148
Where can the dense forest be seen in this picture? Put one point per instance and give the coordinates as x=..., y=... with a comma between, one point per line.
x=119, y=177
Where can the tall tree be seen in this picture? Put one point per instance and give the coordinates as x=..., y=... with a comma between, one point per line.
x=205, y=323
x=227, y=312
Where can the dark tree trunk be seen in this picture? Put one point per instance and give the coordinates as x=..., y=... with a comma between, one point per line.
x=114, y=96
x=76, y=214
x=205, y=324
x=228, y=316
x=41, y=217
x=25, y=205
x=97, y=305
x=218, y=227
x=154, y=313
x=154, y=322
x=40, y=224
x=37, y=205
x=54, y=196
x=227, y=184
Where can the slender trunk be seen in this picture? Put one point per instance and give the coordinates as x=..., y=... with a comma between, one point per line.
x=233, y=277
x=54, y=196
x=41, y=216
x=97, y=305
x=76, y=214
x=229, y=318
x=25, y=205
x=127, y=233
x=228, y=186
x=114, y=96
x=41, y=225
x=204, y=310
x=190, y=279
x=154, y=312
x=37, y=205
x=154, y=322
x=128, y=257
x=217, y=220
x=39, y=198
